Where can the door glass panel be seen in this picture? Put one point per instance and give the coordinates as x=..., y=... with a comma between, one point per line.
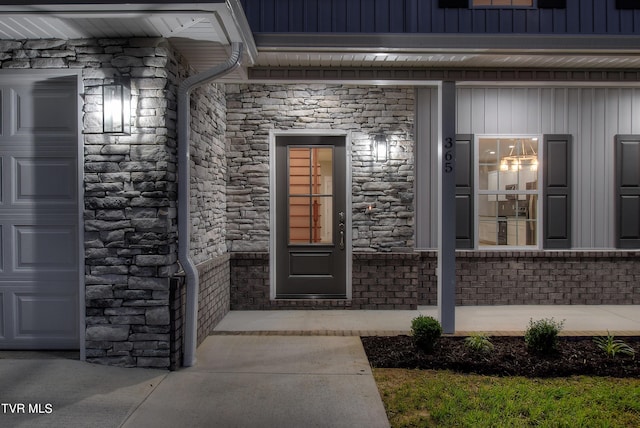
x=310, y=195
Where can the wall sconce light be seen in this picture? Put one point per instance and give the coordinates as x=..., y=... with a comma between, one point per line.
x=381, y=148
x=116, y=108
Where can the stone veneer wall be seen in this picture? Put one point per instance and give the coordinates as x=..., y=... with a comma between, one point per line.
x=130, y=190
x=254, y=110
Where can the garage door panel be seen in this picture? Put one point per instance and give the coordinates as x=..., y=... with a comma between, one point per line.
x=45, y=248
x=39, y=315
x=36, y=111
x=39, y=212
x=44, y=180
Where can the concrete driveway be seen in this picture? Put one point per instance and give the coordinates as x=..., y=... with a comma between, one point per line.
x=238, y=381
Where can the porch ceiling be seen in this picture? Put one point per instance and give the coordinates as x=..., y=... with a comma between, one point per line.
x=202, y=32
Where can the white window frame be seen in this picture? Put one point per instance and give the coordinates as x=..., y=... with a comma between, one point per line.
x=482, y=193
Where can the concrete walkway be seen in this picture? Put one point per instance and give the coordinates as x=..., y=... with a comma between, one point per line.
x=259, y=369
x=581, y=320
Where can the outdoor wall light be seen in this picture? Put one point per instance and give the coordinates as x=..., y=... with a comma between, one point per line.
x=381, y=148
x=116, y=108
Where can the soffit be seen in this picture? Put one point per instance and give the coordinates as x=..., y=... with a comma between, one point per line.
x=448, y=51
x=201, y=32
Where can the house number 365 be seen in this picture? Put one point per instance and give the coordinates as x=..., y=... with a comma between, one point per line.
x=448, y=155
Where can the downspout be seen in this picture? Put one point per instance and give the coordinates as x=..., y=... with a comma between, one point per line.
x=184, y=184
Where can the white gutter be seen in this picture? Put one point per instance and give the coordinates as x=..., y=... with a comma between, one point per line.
x=184, y=183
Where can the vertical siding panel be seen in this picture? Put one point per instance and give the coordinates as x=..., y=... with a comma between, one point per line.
x=519, y=111
x=625, y=118
x=533, y=110
x=478, y=111
x=587, y=174
x=560, y=21
x=324, y=15
x=611, y=128
x=451, y=20
x=533, y=21
x=547, y=111
x=520, y=20
x=437, y=18
x=504, y=114
x=506, y=20
x=546, y=20
x=465, y=20
x=560, y=111
x=626, y=23
x=267, y=17
x=425, y=9
x=310, y=15
x=397, y=15
x=492, y=20
x=338, y=15
x=600, y=190
x=572, y=21
x=586, y=16
x=613, y=19
x=296, y=12
x=381, y=16
x=411, y=16
x=463, y=111
x=579, y=207
x=600, y=14
x=479, y=20
x=635, y=112
x=367, y=16
x=491, y=111
x=353, y=16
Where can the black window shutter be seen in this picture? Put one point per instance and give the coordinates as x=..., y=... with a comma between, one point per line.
x=627, y=191
x=552, y=4
x=464, y=191
x=556, y=202
x=627, y=4
x=453, y=3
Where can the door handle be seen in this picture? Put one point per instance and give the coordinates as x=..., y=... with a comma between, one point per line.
x=341, y=229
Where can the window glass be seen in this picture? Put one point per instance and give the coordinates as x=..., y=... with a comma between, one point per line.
x=310, y=195
x=508, y=191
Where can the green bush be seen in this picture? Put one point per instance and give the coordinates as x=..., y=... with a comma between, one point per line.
x=612, y=346
x=425, y=331
x=479, y=342
x=541, y=336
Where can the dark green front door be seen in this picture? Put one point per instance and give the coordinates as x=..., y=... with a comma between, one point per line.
x=310, y=217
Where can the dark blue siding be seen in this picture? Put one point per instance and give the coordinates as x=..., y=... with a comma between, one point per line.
x=425, y=16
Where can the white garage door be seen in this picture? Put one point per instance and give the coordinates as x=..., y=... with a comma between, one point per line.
x=39, y=278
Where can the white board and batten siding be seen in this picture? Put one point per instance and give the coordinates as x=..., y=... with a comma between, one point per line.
x=39, y=217
x=593, y=116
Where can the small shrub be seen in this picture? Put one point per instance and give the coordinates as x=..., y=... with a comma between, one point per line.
x=425, y=331
x=541, y=336
x=612, y=346
x=479, y=342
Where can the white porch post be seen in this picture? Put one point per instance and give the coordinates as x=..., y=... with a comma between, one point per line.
x=446, y=270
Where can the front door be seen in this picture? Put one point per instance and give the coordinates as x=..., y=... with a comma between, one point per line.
x=311, y=248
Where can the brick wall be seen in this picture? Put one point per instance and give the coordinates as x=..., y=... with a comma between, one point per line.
x=214, y=304
x=406, y=280
x=380, y=281
x=538, y=278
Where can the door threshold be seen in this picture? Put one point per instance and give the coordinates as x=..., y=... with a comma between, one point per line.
x=311, y=297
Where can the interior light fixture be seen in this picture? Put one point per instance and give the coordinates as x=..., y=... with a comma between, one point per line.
x=520, y=156
x=116, y=107
x=381, y=148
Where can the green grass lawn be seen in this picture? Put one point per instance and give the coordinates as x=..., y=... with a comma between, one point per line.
x=418, y=398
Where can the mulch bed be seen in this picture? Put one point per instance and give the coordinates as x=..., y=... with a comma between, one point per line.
x=510, y=357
